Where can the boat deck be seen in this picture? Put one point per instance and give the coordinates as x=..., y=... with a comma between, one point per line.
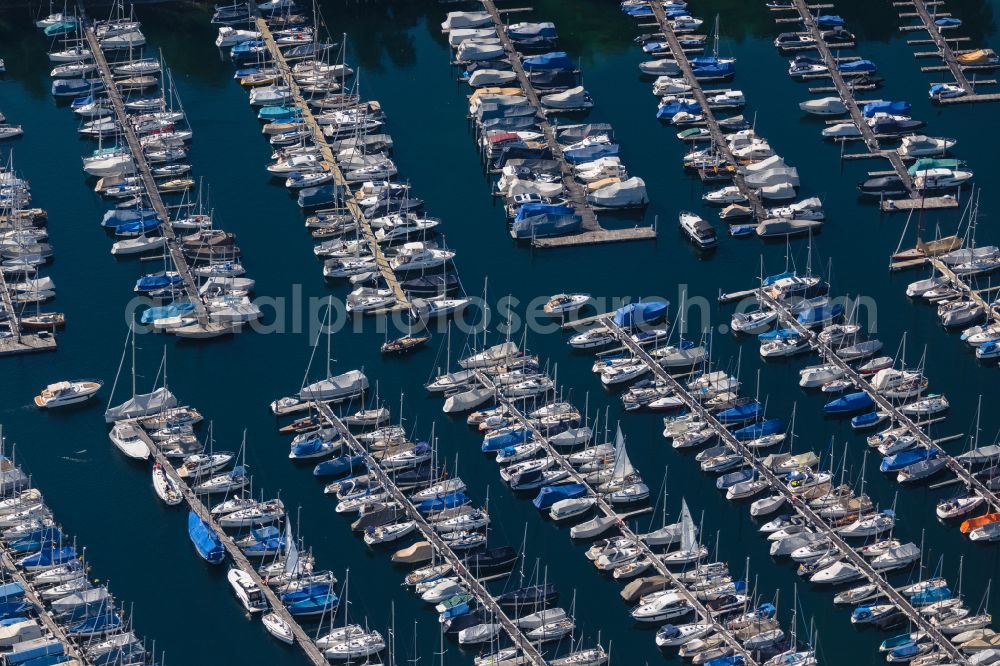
x=302, y=639
x=364, y=226
x=593, y=233
x=883, y=403
x=846, y=93
x=142, y=165
x=718, y=140
x=802, y=508
x=621, y=526
x=472, y=584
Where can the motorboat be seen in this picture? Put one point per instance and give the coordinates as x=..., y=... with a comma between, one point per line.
x=698, y=230
x=65, y=393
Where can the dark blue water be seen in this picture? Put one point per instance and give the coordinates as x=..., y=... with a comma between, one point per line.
x=142, y=548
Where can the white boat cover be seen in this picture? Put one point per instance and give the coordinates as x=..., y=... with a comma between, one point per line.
x=824, y=105
x=227, y=283
x=966, y=255
x=573, y=98
x=631, y=192
x=518, y=186
x=466, y=20
x=777, y=192
x=659, y=67
x=598, y=165
x=491, y=77
x=772, y=162
x=36, y=284
x=143, y=404
x=456, y=37
x=780, y=226
x=336, y=387
x=474, y=49
x=789, y=175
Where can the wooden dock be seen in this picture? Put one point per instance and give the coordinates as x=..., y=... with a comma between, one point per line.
x=621, y=526
x=593, y=233
x=152, y=191
x=19, y=342
x=802, y=508
x=302, y=639
x=975, y=294
x=530, y=653
x=56, y=631
x=846, y=93
x=718, y=140
x=319, y=139
x=944, y=48
x=827, y=352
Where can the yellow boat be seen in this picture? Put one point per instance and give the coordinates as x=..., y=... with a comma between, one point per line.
x=978, y=521
x=978, y=57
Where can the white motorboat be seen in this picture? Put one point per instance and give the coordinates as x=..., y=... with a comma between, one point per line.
x=247, y=591
x=918, y=145
x=836, y=573
x=131, y=440
x=65, y=393
x=670, y=635
x=564, y=304
x=278, y=628
x=700, y=232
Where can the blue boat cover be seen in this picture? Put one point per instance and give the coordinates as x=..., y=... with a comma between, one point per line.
x=553, y=60
x=591, y=153
x=857, y=66
x=205, y=540
x=502, y=441
x=896, y=462
x=448, y=501
x=762, y=429
x=741, y=413
x=549, y=495
x=895, y=108
x=116, y=218
x=339, y=465
x=830, y=21
x=637, y=314
x=848, y=404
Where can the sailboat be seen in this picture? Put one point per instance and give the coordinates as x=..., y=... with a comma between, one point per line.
x=140, y=404
x=690, y=550
x=205, y=540
x=625, y=485
x=332, y=389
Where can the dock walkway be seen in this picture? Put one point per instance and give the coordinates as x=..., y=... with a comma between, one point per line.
x=472, y=584
x=960, y=282
x=827, y=352
x=45, y=617
x=916, y=198
x=152, y=191
x=718, y=140
x=945, y=51
x=20, y=342
x=593, y=233
x=605, y=508
x=240, y=561
x=777, y=485
x=364, y=225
